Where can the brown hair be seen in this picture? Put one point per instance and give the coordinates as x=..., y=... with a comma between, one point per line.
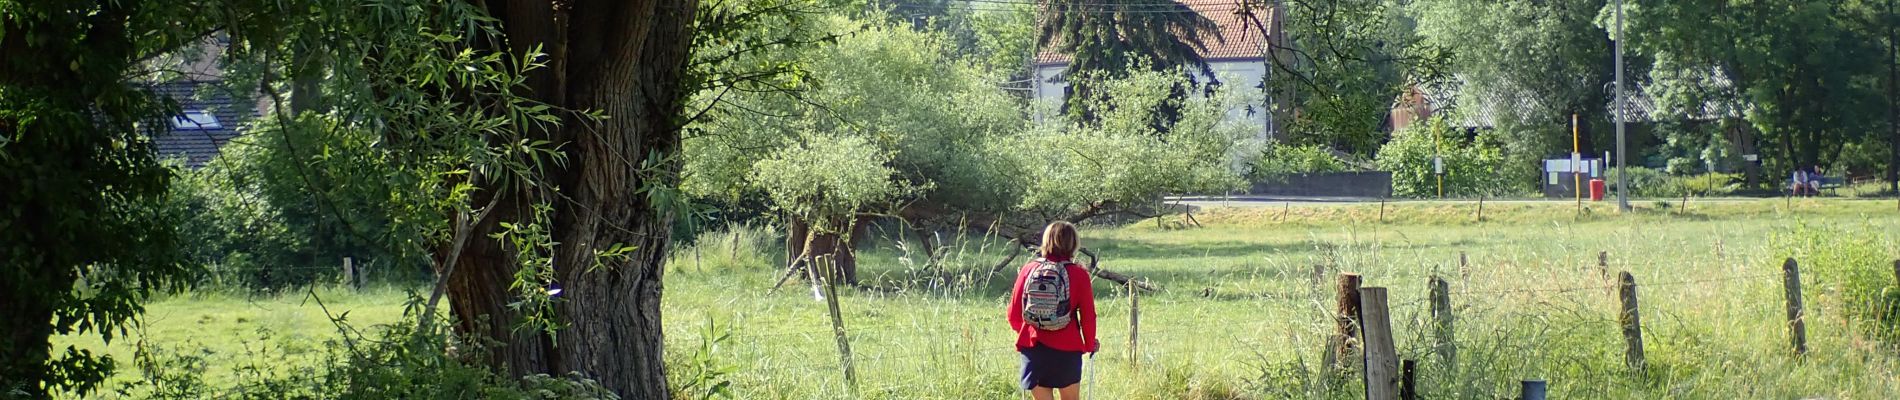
x=1060, y=240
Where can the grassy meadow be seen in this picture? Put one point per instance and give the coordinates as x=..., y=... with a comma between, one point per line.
x=1242, y=314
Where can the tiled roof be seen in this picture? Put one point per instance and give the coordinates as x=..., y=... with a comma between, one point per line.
x=196, y=146
x=1238, y=36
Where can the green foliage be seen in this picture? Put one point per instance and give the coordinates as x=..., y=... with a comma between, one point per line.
x=1528, y=66
x=393, y=361
x=1852, y=266
x=1110, y=41
x=1345, y=63
x=1120, y=159
x=1795, y=71
x=256, y=218
x=909, y=114
x=1472, y=165
x=702, y=375
x=84, y=233
x=826, y=178
x=1280, y=160
x=1646, y=182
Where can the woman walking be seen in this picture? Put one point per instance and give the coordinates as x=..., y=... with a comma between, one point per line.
x=1052, y=310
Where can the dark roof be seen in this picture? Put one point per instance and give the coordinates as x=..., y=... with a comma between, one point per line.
x=1236, y=38
x=196, y=145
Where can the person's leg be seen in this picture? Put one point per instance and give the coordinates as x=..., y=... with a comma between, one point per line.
x=1073, y=392
x=1043, y=393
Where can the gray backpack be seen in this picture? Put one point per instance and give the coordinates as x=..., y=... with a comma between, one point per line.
x=1046, y=295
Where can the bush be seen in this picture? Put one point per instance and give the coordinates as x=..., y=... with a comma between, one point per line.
x=1646, y=182
x=1280, y=160
x=1473, y=166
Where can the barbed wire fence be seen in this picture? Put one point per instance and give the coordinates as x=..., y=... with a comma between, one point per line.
x=968, y=341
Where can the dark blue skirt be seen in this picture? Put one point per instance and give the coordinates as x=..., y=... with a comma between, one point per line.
x=1050, y=368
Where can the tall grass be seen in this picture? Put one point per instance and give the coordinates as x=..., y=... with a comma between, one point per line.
x=1242, y=315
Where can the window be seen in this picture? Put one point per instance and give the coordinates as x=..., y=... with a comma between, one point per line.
x=196, y=120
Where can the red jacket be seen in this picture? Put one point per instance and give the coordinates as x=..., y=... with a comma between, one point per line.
x=1081, y=296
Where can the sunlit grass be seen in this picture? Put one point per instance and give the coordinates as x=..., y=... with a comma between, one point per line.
x=1242, y=313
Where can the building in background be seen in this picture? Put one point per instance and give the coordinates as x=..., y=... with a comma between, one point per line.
x=1237, y=55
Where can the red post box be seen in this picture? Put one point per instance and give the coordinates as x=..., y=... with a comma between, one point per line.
x=1596, y=190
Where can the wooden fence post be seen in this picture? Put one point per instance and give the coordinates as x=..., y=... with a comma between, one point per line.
x=1442, y=334
x=1603, y=266
x=1464, y=270
x=1347, y=332
x=349, y=273
x=1632, y=324
x=1134, y=325
x=1381, y=210
x=1797, y=325
x=1382, y=358
x=1480, y=208
x=1408, y=380
x=837, y=319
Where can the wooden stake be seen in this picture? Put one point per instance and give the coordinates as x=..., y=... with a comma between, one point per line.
x=1797, y=324
x=1442, y=333
x=349, y=273
x=1603, y=266
x=1464, y=270
x=828, y=263
x=1382, y=359
x=1347, y=320
x=1408, y=380
x=1632, y=323
x=1381, y=210
x=1284, y=208
x=1134, y=326
x=1480, y=208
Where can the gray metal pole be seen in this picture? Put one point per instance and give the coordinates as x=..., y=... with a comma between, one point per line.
x=1622, y=152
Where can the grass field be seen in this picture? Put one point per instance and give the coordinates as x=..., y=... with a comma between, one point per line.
x=1242, y=315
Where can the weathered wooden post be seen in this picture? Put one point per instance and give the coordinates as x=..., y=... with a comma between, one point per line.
x=349, y=273
x=1134, y=325
x=1382, y=358
x=1481, y=208
x=1408, y=380
x=828, y=263
x=1464, y=270
x=1797, y=325
x=1603, y=266
x=1381, y=210
x=1632, y=324
x=1442, y=333
x=1347, y=332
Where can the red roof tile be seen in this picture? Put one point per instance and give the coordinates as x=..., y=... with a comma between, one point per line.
x=1237, y=37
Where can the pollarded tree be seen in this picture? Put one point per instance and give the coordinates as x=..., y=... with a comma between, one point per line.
x=893, y=98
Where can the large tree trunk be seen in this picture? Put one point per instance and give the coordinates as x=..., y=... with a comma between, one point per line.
x=626, y=60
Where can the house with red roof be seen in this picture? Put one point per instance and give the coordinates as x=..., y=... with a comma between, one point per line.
x=1236, y=53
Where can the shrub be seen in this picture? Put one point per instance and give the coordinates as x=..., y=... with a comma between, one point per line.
x=1473, y=166
x=1280, y=160
x=1646, y=182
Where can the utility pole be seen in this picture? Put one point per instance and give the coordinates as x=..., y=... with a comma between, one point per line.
x=1622, y=152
